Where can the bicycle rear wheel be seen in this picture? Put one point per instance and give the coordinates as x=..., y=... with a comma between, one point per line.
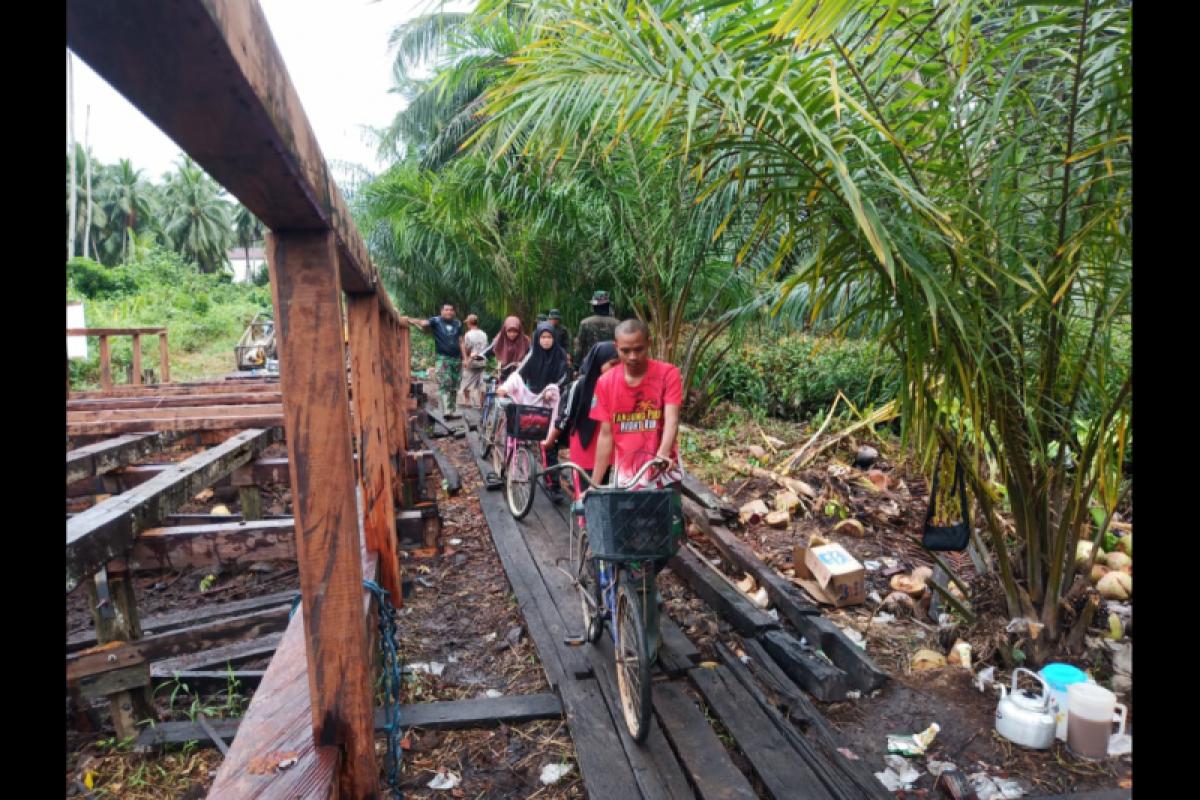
x=519, y=482
x=633, y=664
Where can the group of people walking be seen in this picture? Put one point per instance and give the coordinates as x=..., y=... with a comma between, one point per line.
x=621, y=411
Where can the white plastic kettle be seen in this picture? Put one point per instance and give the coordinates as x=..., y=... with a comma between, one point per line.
x=1023, y=717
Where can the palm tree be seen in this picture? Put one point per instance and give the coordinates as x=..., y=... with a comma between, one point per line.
x=957, y=173
x=88, y=227
x=128, y=202
x=247, y=230
x=197, y=219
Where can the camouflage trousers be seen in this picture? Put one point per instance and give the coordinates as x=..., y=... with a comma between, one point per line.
x=449, y=375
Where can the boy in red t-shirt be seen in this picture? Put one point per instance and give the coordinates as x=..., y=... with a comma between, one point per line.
x=637, y=406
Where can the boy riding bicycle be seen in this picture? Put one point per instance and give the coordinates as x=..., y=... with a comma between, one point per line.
x=637, y=406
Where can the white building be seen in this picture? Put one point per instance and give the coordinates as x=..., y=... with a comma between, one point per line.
x=244, y=269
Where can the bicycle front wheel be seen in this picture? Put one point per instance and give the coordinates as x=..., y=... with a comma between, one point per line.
x=485, y=439
x=633, y=664
x=519, y=482
x=498, y=437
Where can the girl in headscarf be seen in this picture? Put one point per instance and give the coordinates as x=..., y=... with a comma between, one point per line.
x=535, y=384
x=573, y=417
x=511, y=345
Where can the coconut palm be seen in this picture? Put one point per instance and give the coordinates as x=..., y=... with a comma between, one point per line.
x=197, y=218
x=247, y=230
x=128, y=204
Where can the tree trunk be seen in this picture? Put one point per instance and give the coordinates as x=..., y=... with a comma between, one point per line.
x=71, y=210
x=87, y=161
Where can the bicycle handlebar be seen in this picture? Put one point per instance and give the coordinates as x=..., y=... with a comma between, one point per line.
x=569, y=465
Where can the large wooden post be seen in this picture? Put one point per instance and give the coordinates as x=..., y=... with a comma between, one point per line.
x=164, y=358
x=374, y=436
x=307, y=294
x=137, y=358
x=105, y=363
x=394, y=372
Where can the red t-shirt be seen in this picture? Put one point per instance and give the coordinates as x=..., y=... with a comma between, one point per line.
x=637, y=414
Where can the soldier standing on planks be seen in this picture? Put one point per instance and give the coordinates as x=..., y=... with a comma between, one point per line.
x=447, y=344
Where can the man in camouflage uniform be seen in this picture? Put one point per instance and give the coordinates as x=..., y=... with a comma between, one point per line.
x=600, y=327
x=562, y=337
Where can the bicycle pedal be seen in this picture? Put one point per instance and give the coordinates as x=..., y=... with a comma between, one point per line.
x=574, y=641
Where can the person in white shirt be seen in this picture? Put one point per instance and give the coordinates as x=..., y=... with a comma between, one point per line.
x=474, y=347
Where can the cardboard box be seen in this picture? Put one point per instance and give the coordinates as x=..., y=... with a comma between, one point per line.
x=830, y=574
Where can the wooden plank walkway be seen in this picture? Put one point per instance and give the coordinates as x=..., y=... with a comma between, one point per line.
x=679, y=759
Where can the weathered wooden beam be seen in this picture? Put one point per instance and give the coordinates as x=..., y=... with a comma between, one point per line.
x=221, y=91
x=112, y=331
x=186, y=619
x=449, y=471
x=108, y=530
x=817, y=676
x=727, y=601
x=198, y=423
x=96, y=459
x=374, y=456
x=205, y=545
x=437, y=716
x=148, y=649
x=164, y=357
x=312, y=360
x=175, y=401
x=259, y=472
x=105, y=363
x=208, y=412
x=789, y=600
x=137, y=359
x=200, y=388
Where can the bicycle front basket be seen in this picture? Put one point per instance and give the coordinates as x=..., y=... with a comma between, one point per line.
x=625, y=525
x=527, y=423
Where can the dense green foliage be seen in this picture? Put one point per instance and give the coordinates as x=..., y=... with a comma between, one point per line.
x=797, y=377
x=952, y=178
x=205, y=313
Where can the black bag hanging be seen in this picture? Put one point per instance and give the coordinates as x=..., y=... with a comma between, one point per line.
x=954, y=537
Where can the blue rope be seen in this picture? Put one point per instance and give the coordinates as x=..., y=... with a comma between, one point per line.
x=390, y=679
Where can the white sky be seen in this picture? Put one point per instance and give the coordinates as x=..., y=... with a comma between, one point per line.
x=336, y=54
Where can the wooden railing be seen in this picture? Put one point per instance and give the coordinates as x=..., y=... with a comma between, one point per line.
x=102, y=334
x=221, y=91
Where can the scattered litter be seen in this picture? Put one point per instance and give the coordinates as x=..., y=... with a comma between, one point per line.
x=985, y=678
x=803, y=642
x=914, y=745
x=456, y=541
x=927, y=659
x=855, y=637
x=760, y=598
x=287, y=763
x=492, y=693
x=883, y=619
x=453, y=658
x=1120, y=744
x=854, y=694
x=433, y=668
x=874, y=596
x=960, y=654
x=898, y=775
x=424, y=582
x=848, y=753
x=553, y=773
x=944, y=621
x=995, y=788
x=445, y=780
x=936, y=768
x=773, y=614
x=490, y=637
x=889, y=563
x=221, y=511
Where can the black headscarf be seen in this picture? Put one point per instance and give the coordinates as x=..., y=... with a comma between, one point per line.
x=543, y=367
x=581, y=400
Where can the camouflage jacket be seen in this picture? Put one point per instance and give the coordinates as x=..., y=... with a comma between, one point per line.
x=591, y=331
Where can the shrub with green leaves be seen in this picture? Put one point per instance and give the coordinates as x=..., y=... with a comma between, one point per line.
x=797, y=376
x=204, y=313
